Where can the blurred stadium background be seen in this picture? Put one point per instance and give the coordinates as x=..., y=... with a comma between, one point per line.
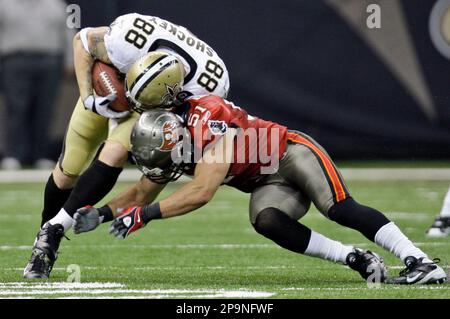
x=314, y=65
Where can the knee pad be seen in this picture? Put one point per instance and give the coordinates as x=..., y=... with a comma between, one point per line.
x=266, y=220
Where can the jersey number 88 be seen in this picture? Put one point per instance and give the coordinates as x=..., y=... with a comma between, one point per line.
x=207, y=80
x=135, y=37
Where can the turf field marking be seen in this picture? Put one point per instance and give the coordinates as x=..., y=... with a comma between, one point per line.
x=60, y=285
x=408, y=215
x=157, y=246
x=169, y=268
x=18, y=216
x=15, y=247
x=111, y=290
x=160, y=293
x=358, y=174
x=191, y=246
x=202, y=294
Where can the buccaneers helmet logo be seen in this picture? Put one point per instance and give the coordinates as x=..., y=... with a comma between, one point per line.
x=170, y=135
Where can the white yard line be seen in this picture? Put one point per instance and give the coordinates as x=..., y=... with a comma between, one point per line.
x=115, y=290
x=60, y=285
x=410, y=215
x=15, y=247
x=371, y=174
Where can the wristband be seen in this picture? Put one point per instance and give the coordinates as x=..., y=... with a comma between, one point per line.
x=105, y=213
x=150, y=212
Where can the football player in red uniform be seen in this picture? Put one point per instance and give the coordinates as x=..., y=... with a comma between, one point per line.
x=218, y=143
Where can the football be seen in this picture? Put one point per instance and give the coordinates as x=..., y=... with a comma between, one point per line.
x=106, y=80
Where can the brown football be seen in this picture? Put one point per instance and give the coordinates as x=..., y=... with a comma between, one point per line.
x=107, y=80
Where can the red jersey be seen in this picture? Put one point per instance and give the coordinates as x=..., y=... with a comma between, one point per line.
x=258, y=146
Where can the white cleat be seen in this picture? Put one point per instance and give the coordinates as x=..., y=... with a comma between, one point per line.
x=440, y=227
x=419, y=271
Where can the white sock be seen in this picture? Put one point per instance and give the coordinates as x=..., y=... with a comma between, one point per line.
x=445, y=211
x=390, y=237
x=62, y=218
x=325, y=248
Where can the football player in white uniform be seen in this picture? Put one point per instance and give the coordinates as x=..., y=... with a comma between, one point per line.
x=441, y=225
x=168, y=64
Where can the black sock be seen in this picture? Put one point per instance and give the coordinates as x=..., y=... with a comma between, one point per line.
x=283, y=230
x=54, y=199
x=364, y=219
x=94, y=184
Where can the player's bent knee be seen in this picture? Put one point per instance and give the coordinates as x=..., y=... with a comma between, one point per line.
x=268, y=220
x=362, y=218
x=63, y=181
x=113, y=154
x=274, y=224
x=262, y=221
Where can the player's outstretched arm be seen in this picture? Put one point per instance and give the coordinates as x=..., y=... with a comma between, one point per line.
x=142, y=193
x=210, y=173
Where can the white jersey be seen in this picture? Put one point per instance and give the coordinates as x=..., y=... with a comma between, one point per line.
x=133, y=35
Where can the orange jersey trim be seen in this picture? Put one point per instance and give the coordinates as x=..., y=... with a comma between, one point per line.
x=333, y=176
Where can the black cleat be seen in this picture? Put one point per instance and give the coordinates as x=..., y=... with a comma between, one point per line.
x=45, y=252
x=419, y=272
x=440, y=227
x=369, y=265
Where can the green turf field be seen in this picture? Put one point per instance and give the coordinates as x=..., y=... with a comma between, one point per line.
x=214, y=252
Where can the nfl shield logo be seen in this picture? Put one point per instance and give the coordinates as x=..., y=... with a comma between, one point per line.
x=217, y=127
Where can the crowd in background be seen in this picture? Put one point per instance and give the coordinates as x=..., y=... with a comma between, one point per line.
x=35, y=55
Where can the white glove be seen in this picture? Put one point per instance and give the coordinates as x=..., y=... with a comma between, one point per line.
x=99, y=105
x=86, y=219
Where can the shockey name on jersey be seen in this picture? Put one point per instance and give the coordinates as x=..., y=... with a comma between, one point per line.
x=133, y=35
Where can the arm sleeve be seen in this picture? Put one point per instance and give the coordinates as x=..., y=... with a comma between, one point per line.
x=121, y=55
x=84, y=40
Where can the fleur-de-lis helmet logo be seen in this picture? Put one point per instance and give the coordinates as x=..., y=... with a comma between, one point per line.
x=171, y=93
